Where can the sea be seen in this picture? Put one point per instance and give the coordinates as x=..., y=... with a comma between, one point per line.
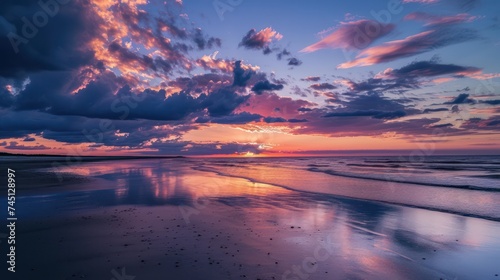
x=465, y=185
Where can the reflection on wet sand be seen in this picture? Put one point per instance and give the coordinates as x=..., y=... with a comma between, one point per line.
x=269, y=231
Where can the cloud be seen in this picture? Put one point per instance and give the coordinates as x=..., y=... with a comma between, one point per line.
x=304, y=109
x=140, y=62
x=241, y=75
x=260, y=40
x=109, y=97
x=411, y=76
x=311, y=79
x=6, y=98
x=322, y=86
x=397, y=85
x=411, y=45
x=420, y=1
x=294, y=61
x=442, y=125
x=369, y=113
x=491, y=123
x=16, y=146
x=274, y=120
x=371, y=105
x=433, y=110
x=212, y=64
x=239, y=118
x=491, y=102
x=297, y=120
x=203, y=83
x=462, y=98
x=222, y=102
x=431, y=68
x=33, y=49
x=191, y=148
x=265, y=85
x=202, y=42
x=430, y=19
x=282, y=53
x=354, y=35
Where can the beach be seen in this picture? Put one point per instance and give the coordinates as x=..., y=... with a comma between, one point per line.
x=229, y=219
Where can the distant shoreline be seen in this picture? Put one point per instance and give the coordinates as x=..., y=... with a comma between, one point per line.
x=86, y=157
x=403, y=153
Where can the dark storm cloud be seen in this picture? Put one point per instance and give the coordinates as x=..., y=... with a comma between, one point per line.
x=188, y=148
x=43, y=91
x=282, y=120
x=368, y=125
x=240, y=118
x=442, y=125
x=222, y=102
x=204, y=42
x=202, y=83
x=6, y=98
x=491, y=102
x=304, y=110
x=241, y=76
x=265, y=85
x=78, y=129
x=282, y=53
x=431, y=110
x=274, y=120
x=297, y=120
x=462, y=98
x=492, y=123
x=381, y=85
x=408, y=77
x=371, y=105
x=430, y=69
x=311, y=79
x=27, y=48
x=374, y=114
x=98, y=99
x=16, y=146
x=294, y=61
x=322, y=86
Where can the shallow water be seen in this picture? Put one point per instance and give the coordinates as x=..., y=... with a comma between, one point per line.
x=368, y=239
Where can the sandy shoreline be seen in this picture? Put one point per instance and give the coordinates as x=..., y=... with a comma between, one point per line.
x=159, y=221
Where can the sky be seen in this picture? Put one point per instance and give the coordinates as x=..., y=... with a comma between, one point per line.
x=249, y=78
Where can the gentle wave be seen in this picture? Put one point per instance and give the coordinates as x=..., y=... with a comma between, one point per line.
x=387, y=179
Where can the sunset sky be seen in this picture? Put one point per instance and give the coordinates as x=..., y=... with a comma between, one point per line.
x=241, y=77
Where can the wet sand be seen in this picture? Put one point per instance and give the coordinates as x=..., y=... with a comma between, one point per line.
x=161, y=219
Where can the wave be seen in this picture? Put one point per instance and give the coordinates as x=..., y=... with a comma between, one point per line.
x=367, y=177
x=323, y=196
x=435, y=162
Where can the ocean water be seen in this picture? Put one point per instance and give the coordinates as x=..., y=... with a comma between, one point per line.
x=389, y=217
x=466, y=185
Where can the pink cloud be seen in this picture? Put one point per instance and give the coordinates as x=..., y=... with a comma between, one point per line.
x=391, y=50
x=434, y=20
x=261, y=39
x=352, y=35
x=415, y=44
x=420, y=1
